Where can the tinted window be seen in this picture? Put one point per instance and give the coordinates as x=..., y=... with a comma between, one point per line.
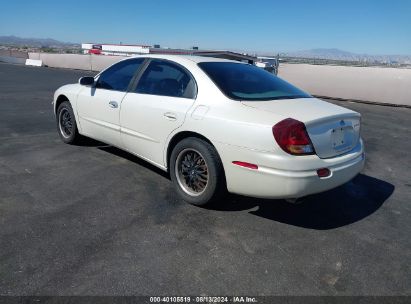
x=119, y=75
x=166, y=79
x=248, y=82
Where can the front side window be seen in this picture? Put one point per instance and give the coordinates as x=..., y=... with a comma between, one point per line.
x=118, y=76
x=166, y=79
x=248, y=82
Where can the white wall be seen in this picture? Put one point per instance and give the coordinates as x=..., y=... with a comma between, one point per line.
x=386, y=85
x=75, y=61
x=99, y=62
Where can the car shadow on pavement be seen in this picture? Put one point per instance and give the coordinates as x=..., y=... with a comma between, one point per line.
x=89, y=142
x=134, y=159
x=339, y=207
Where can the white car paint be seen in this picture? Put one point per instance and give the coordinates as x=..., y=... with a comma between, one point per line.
x=157, y=117
x=97, y=117
x=240, y=131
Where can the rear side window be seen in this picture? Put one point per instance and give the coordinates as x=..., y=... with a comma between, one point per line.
x=118, y=76
x=166, y=79
x=247, y=82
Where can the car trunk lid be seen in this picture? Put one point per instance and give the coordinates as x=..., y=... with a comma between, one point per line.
x=333, y=130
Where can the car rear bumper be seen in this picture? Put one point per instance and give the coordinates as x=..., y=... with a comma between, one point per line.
x=291, y=181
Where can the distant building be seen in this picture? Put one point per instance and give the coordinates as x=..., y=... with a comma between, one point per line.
x=114, y=49
x=130, y=50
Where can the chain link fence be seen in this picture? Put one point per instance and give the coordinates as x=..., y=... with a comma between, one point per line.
x=14, y=53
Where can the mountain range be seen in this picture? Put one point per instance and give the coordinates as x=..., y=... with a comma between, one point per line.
x=34, y=42
x=336, y=54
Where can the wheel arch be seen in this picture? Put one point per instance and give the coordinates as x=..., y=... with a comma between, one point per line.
x=179, y=137
x=60, y=99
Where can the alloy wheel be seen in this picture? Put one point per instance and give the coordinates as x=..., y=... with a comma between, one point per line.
x=65, y=123
x=191, y=171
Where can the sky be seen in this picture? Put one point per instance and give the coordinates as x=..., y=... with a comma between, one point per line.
x=361, y=26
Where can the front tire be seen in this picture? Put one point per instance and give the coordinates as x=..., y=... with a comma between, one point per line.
x=66, y=123
x=197, y=172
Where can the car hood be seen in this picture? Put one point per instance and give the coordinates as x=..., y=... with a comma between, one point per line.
x=72, y=88
x=68, y=90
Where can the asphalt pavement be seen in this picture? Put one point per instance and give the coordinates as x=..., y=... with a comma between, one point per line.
x=93, y=220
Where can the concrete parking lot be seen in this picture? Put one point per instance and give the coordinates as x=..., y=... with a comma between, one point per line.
x=93, y=220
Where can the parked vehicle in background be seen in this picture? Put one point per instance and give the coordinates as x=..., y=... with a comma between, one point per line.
x=269, y=64
x=215, y=125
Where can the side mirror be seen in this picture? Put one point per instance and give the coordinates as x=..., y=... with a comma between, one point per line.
x=86, y=80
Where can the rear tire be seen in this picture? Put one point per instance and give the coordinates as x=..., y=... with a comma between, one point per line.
x=197, y=172
x=66, y=123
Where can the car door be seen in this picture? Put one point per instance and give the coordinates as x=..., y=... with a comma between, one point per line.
x=155, y=107
x=98, y=106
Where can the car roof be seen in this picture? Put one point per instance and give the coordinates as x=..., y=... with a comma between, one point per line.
x=192, y=58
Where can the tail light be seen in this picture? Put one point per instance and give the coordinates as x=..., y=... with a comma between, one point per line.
x=291, y=135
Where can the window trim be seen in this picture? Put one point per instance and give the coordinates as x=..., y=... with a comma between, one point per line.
x=133, y=87
x=97, y=77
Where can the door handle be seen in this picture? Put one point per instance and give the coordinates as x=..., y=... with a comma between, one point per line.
x=170, y=116
x=113, y=104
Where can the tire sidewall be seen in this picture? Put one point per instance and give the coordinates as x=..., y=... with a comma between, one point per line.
x=72, y=137
x=211, y=157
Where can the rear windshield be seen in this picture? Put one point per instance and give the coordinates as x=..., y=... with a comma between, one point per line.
x=247, y=82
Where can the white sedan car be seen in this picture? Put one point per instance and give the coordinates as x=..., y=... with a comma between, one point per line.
x=215, y=125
